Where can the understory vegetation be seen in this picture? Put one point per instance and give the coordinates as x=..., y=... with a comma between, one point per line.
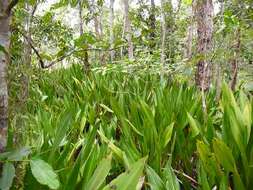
x=116, y=129
x=126, y=94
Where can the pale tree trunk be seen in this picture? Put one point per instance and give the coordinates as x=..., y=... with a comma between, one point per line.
x=128, y=30
x=164, y=32
x=102, y=55
x=218, y=68
x=123, y=35
x=111, y=23
x=85, y=59
x=152, y=26
x=97, y=18
x=188, y=49
x=27, y=50
x=80, y=13
x=204, y=18
x=4, y=59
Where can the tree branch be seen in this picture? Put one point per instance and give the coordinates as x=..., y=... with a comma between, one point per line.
x=59, y=59
x=30, y=42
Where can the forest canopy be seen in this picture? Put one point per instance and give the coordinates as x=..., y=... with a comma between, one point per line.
x=126, y=94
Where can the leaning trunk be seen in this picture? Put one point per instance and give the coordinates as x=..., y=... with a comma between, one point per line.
x=4, y=59
x=204, y=18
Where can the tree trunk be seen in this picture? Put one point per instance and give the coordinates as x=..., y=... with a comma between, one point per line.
x=128, y=30
x=4, y=59
x=27, y=50
x=204, y=18
x=219, y=69
x=102, y=55
x=85, y=58
x=164, y=31
x=188, y=50
x=112, y=52
x=152, y=27
x=234, y=61
x=122, y=48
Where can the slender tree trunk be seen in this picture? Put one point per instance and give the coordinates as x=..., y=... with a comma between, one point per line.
x=234, y=61
x=152, y=27
x=122, y=48
x=4, y=60
x=188, y=50
x=169, y=41
x=80, y=11
x=219, y=69
x=27, y=50
x=111, y=22
x=102, y=55
x=204, y=17
x=85, y=59
x=128, y=30
x=97, y=18
x=164, y=32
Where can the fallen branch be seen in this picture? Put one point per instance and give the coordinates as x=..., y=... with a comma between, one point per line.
x=195, y=183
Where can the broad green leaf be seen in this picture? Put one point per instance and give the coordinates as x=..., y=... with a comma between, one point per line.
x=44, y=173
x=202, y=178
x=224, y=155
x=100, y=174
x=80, y=161
x=170, y=177
x=154, y=180
x=129, y=179
x=194, y=127
x=167, y=134
x=8, y=174
x=207, y=160
x=16, y=155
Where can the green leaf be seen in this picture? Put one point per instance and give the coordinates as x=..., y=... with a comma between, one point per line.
x=154, y=179
x=202, y=178
x=170, y=177
x=187, y=2
x=80, y=161
x=100, y=174
x=2, y=49
x=106, y=108
x=7, y=176
x=194, y=127
x=167, y=134
x=129, y=179
x=44, y=173
x=16, y=155
x=224, y=155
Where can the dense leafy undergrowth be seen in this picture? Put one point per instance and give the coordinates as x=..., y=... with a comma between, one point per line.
x=121, y=130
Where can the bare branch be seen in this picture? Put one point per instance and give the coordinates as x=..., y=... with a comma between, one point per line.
x=30, y=42
x=59, y=59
